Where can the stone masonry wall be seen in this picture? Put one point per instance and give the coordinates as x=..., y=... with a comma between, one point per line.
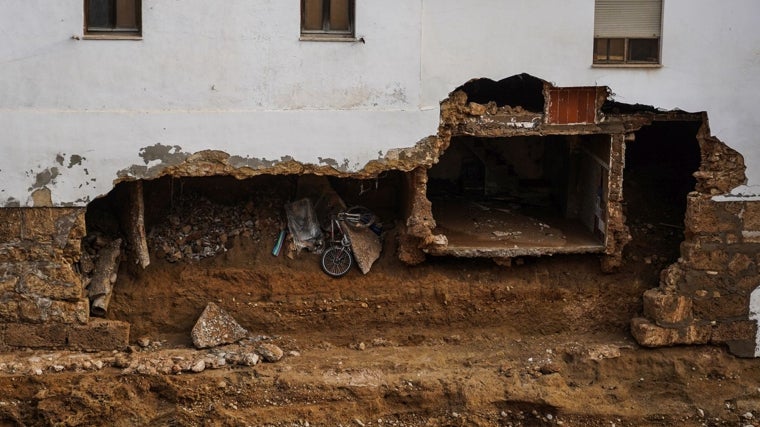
x=42, y=299
x=705, y=296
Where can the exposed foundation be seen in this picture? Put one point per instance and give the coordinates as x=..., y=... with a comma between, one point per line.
x=706, y=296
x=518, y=168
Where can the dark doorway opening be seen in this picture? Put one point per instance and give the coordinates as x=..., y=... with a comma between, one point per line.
x=659, y=168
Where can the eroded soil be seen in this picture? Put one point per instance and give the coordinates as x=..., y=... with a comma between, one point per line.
x=449, y=342
x=460, y=342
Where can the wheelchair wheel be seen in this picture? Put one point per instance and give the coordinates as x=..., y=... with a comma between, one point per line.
x=336, y=261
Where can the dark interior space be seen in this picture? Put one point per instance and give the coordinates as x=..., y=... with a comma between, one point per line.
x=197, y=217
x=521, y=90
x=536, y=193
x=659, y=168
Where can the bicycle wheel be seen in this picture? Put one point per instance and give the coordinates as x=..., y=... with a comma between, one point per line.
x=336, y=261
x=366, y=217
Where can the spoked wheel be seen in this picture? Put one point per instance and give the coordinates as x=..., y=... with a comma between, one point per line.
x=336, y=261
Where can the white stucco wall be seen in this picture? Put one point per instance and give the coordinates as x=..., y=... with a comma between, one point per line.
x=231, y=77
x=235, y=77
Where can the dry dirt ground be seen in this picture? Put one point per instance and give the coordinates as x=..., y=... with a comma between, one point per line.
x=457, y=342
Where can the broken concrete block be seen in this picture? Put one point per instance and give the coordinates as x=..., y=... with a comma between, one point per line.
x=216, y=327
x=366, y=246
x=667, y=309
x=648, y=334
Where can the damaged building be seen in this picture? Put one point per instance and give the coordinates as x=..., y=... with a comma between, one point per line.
x=128, y=139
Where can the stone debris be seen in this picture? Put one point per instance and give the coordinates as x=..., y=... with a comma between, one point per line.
x=270, y=352
x=216, y=327
x=198, y=366
x=198, y=228
x=366, y=246
x=148, y=361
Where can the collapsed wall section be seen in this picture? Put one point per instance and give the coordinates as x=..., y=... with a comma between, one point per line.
x=42, y=301
x=540, y=165
x=706, y=296
x=47, y=277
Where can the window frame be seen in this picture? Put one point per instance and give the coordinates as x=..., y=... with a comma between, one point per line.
x=626, y=52
x=634, y=29
x=326, y=33
x=114, y=32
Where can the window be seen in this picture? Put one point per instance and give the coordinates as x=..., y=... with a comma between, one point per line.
x=627, y=31
x=327, y=18
x=112, y=17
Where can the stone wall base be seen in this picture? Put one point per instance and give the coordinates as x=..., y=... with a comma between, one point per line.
x=705, y=296
x=96, y=335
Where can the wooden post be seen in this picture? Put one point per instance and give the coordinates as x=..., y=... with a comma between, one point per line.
x=135, y=218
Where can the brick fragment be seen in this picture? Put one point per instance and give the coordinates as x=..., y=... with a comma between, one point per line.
x=45, y=335
x=98, y=335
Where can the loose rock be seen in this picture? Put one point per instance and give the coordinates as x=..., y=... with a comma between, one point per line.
x=270, y=352
x=216, y=327
x=198, y=366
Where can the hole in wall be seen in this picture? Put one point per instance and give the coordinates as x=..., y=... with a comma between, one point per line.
x=211, y=239
x=528, y=195
x=658, y=175
x=521, y=90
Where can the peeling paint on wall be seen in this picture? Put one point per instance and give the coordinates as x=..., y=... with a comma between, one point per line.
x=172, y=161
x=75, y=160
x=166, y=154
x=255, y=163
x=754, y=314
x=343, y=167
x=45, y=177
x=162, y=155
x=12, y=202
x=42, y=197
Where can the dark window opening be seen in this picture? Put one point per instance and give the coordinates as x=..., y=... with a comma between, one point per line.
x=113, y=16
x=626, y=51
x=327, y=17
x=522, y=195
x=521, y=90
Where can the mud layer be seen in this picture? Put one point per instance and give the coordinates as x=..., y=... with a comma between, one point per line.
x=449, y=342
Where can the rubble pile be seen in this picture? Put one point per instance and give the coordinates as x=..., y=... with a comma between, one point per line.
x=149, y=358
x=198, y=228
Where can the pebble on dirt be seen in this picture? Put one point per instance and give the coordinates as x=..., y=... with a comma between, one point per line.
x=216, y=327
x=270, y=352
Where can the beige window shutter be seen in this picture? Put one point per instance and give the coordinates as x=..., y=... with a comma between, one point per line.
x=628, y=18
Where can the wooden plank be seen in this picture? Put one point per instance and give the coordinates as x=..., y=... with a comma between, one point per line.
x=572, y=106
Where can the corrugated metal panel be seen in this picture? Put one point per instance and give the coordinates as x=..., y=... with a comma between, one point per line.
x=627, y=18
